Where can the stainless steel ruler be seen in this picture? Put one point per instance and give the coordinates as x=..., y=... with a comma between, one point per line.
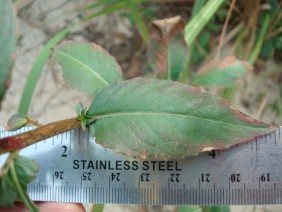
x=75, y=169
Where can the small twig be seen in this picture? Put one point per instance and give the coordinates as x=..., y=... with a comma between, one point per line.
x=22, y=140
x=274, y=33
x=222, y=36
x=262, y=107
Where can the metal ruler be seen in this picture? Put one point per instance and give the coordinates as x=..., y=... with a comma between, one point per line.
x=75, y=169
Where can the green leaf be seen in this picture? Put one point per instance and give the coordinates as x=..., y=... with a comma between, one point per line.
x=167, y=52
x=216, y=208
x=13, y=185
x=16, y=122
x=98, y=208
x=225, y=74
x=8, y=192
x=186, y=208
x=7, y=43
x=87, y=67
x=164, y=119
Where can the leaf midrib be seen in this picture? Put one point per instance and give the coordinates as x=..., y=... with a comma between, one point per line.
x=112, y=115
x=85, y=66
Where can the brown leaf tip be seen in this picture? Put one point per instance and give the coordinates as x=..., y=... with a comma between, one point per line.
x=167, y=28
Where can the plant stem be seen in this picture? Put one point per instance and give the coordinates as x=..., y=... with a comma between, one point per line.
x=168, y=65
x=28, y=203
x=22, y=140
x=7, y=163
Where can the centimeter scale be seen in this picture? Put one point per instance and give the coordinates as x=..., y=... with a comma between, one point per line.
x=75, y=169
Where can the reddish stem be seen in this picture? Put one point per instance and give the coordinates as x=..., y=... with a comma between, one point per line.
x=22, y=140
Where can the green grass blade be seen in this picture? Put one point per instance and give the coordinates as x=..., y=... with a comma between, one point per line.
x=138, y=20
x=109, y=9
x=194, y=27
x=118, y=5
x=98, y=4
x=260, y=40
x=36, y=71
x=7, y=43
x=186, y=74
x=197, y=7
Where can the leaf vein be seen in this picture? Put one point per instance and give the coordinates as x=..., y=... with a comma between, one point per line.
x=113, y=115
x=85, y=66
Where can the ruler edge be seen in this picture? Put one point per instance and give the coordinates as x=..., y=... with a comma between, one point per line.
x=275, y=133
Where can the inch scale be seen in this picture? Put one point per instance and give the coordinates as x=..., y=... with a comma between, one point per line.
x=75, y=169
